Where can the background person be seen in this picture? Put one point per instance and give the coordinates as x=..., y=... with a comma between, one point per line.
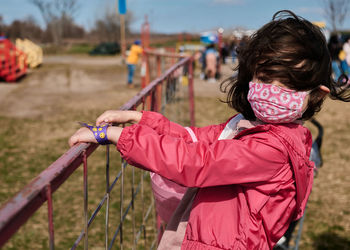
x=132, y=60
x=334, y=47
x=346, y=49
x=211, y=63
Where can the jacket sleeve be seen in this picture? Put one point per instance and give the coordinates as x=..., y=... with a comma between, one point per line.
x=163, y=126
x=253, y=158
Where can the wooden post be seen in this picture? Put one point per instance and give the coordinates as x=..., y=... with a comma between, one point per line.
x=220, y=33
x=159, y=87
x=191, y=91
x=122, y=36
x=145, y=45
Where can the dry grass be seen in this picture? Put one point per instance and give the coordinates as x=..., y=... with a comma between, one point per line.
x=38, y=115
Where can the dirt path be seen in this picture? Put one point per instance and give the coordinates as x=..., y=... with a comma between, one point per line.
x=65, y=81
x=83, y=60
x=75, y=80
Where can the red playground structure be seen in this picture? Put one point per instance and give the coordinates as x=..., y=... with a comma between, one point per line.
x=12, y=61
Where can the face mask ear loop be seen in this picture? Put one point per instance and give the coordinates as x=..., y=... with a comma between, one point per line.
x=307, y=92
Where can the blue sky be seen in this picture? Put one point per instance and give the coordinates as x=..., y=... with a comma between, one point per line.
x=172, y=16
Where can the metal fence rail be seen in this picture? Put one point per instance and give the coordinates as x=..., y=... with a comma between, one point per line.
x=155, y=96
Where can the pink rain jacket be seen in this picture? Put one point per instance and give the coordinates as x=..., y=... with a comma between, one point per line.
x=250, y=187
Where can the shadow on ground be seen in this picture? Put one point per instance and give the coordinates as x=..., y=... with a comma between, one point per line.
x=330, y=240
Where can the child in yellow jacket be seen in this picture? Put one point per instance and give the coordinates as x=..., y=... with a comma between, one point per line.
x=133, y=57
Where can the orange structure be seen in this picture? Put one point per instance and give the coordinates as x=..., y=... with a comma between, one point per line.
x=12, y=61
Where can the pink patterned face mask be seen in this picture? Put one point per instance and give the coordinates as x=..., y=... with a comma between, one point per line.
x=274, y=104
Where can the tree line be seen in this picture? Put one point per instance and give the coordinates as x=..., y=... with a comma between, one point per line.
x=60, y=26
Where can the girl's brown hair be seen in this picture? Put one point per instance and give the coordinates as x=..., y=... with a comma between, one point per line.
x=288, y=49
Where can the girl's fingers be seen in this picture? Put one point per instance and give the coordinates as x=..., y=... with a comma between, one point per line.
x=119, y=116
x=110, y=116
x=73, y=140
x=106, y=117
x=100, y=120
x=82, y=135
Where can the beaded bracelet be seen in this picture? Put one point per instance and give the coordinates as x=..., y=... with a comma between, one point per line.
x=100, y=132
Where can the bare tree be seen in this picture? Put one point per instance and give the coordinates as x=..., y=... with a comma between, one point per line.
x=2, y=26
x=55, y=13
x=107, y=28
x=31, y=29
x=71, y=30
x=26, y=28
x=336, y=11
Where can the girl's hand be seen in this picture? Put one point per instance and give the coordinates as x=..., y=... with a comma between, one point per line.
x=85, y=135
x=82, y=135
x=119, y=117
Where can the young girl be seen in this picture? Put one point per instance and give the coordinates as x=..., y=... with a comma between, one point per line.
x=250, y=177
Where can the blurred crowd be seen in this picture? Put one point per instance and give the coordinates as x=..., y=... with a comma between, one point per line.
x=212, y=56
x=339, y=49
